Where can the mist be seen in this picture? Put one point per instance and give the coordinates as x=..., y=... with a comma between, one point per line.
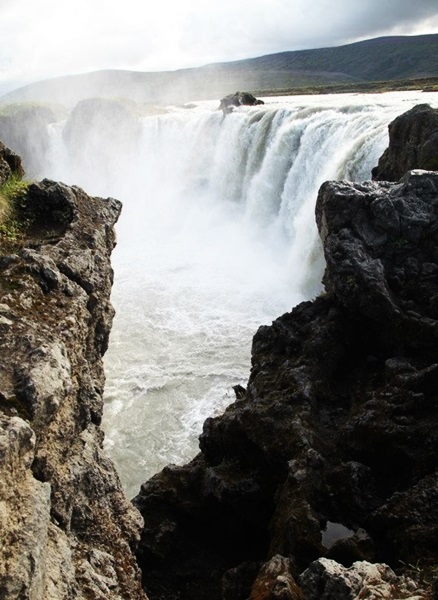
x=217, y=237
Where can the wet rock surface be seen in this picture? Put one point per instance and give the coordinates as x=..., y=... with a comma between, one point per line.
x=67, y=530
x=230, y=102
x=337, y=429
x=413, y=144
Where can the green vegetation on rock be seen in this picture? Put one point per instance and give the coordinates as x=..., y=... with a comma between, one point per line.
x=12, y=197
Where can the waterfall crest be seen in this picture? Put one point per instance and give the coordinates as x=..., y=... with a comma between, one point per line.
x=217, y=237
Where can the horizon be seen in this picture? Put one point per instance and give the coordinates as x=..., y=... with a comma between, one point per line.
x=48, y=41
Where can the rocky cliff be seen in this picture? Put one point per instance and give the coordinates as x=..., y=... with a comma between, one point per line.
x=413, y=144
x=325, y=466
x=67, y=530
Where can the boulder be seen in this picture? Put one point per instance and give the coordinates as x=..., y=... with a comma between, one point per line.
x=10, y=165
x=327, y=580
x=230, y=102
x=413, y=144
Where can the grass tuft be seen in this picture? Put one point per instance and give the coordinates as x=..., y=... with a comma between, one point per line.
x=12, y=198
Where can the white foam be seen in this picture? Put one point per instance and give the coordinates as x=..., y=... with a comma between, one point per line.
x=217, y=237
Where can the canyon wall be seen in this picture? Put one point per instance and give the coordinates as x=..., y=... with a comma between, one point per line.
x=67, y=529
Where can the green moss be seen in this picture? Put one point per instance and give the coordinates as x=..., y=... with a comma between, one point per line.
x=13, y=195
x=5, y=209
x=14, y=189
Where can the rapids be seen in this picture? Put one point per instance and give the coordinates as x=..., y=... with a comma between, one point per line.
x=217, y=237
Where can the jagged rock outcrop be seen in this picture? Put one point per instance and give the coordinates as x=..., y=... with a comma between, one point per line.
x=67, y=529
x=331, y=452
x=413, y=144
x=230, y=102
x=328, y=580
x=10, y=165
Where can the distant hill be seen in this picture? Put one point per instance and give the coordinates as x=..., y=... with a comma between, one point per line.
x=380, y=59
x=385, y=58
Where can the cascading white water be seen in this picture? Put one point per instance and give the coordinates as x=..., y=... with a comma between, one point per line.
x=217, y=237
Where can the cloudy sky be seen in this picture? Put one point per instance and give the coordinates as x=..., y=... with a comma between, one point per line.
x=46, y=38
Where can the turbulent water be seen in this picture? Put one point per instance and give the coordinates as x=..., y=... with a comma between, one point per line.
x=216, y=238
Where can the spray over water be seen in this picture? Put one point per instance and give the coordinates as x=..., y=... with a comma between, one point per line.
x=217, y=237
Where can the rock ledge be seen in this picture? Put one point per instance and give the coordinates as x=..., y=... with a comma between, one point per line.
x=68, y=531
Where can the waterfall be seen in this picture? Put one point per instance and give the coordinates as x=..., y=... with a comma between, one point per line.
x=217, y=237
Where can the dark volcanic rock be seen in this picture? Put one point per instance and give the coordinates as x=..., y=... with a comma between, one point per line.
x=67, y=529
x=338, y=424
x=228, y=103
x=328, y=580
x=10, y=165
x=413, y=144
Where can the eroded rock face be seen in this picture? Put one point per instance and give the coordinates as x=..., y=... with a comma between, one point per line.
x=413, y=144
x=10, y=164
x=68, y=531
x=230, y=102
x=338, y=425
x=275, y=581
x=328, y=580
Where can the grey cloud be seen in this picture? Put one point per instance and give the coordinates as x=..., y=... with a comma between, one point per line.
x=233, y=34
x=200, y=33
